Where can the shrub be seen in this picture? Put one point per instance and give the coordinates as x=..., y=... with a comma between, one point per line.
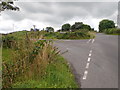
x=9, y=41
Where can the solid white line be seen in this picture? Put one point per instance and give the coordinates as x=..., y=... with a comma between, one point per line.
x=89, y=40
x=85, y=75
x=89, y=59
x=87, y=66
x=90, y=54
x=93, y=41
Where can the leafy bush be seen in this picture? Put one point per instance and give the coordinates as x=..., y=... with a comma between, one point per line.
x=9, y=41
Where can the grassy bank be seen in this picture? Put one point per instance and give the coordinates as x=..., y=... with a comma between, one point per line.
x=58, y=75
x=70, y=35
x=112, y=31
x=30, y=64
x=78, y=34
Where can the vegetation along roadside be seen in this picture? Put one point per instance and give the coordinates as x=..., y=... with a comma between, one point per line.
x=34, y=64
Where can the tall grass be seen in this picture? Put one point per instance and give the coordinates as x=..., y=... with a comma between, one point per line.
x=29, y=61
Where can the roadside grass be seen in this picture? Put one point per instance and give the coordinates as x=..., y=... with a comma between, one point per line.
x=18, y=34
x=7, y=54
x=58, y=75
x=34, y=65
x=37, y=64
x=114, y=34
x=92, y=34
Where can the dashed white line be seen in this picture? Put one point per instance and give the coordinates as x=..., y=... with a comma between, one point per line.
x=89, y=59
x=67, y=40
x=87, y=66
x=90, y=51
x=90, y=54
x=93, y=40
x=89, y=40
x=85, y=75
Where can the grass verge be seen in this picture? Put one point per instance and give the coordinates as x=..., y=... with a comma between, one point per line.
x=58, y=75
x=6, y=54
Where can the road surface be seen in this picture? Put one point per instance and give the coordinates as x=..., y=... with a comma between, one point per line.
x=95, y=61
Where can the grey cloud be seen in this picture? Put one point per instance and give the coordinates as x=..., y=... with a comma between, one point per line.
x=55, y=13
x=34, y=7
x=95, y=9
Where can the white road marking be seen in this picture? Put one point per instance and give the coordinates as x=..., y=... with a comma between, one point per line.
x=90, y=51
x=67, y=49
x=93, y=40
x=89, y=59
x=87, y=66
x=90, y=54
x=85, y=75
x=89, y=40
x=67, y=40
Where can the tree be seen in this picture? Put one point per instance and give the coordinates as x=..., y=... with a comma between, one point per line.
x=31, y=29
x=49, y=29
x=66, y=27
x=85, y=26
x=73, y=27
x=59, y=30
x=92, y=29
x=8, y=6
x=106, y=24
x=77, y=26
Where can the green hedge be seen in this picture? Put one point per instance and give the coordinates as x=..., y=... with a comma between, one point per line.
x=112, y=31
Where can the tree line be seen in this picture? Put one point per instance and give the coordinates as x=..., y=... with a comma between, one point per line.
x=104, y=25
x=67, y=27
x=76, y=26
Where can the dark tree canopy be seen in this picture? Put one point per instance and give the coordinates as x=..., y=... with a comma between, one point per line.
x=106, y=24
x=31, y=29
x=80, y=25
x=8, y=6
x=73, y=27
x=85, y=26
x=49, y=29
x=66, y=27
x=76, y=26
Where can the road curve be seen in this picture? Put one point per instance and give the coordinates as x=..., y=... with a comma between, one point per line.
x=95, y=61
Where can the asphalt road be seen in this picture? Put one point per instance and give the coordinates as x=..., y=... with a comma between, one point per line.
x=95, y=61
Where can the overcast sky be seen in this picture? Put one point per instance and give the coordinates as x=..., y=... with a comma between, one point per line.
x=56, y=14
